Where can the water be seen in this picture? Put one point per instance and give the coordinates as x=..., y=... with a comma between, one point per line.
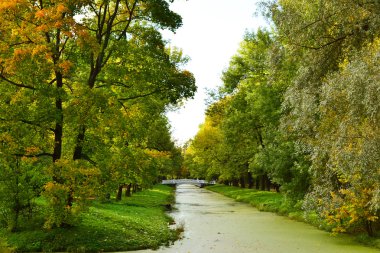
x=214, y=223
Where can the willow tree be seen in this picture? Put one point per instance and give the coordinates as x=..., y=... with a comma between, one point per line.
x=348, y=143
x=69, y=70
x=330, y=39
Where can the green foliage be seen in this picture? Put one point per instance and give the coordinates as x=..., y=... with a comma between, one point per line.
x=348, y=143
x=57, y=211
x=80, y=83
x=250, y=145
x=328, y=109
x=20, y=184
x=136, y=223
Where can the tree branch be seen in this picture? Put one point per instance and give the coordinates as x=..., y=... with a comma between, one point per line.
x=324, y=45
x=124, y=32
x=116, y=83
x=139, y=96
x=35, y=155
x=87, y=158
x=29, y=122
x=16, y=84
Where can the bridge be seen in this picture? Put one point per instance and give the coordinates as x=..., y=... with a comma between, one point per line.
x=197, y=182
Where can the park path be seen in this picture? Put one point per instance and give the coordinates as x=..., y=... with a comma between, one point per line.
x=217, y=224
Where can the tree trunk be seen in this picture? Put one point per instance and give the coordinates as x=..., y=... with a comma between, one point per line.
x=58, y=129
x=119, y=192
x=242, y=181
x=235, y=182
x=257, y=184
x=70, y=198
x=79, y=143
x=369, y=228
x=250, y=180
x=277, y=187
x=128, y=190
x=268, y=183
x=16, y=205
x=262, y=183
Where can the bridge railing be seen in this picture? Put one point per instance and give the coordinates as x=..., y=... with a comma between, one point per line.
x=188, y=181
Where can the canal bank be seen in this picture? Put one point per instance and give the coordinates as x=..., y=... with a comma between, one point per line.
x=215, y=223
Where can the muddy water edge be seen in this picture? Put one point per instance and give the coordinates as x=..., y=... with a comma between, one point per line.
x=217, y=224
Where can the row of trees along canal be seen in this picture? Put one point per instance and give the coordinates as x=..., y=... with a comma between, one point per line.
x=84, y=87
x=299, y=112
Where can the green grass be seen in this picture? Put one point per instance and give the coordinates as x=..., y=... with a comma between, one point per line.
x=137, y=222
x=262, y=200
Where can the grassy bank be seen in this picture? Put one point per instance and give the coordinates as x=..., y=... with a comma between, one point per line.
x=137, y=222
x=262, y=200
x=276, y=202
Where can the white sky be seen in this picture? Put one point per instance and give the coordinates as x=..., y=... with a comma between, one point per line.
x=211, y=33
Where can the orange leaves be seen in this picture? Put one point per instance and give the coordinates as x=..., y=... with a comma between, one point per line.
x=10, y=4
x=55, y=12
x=60, y=9
x=19, y=53
x=39, y=49
x=32, y=150
x=43, y=28
x=65, y=66
x=348, y=208
x=40, y=14
x=58, y=24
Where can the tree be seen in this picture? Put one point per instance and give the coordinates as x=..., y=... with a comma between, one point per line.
x=202, y=156
x=257, y=78
x=329, y=39
x=252, y=147
x=70, y=70
x=348, y=142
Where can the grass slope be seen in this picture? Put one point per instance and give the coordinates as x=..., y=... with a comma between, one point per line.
x=262, y=200
x=137, y=222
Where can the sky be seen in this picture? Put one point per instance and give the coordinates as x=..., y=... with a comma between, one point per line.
x=210, y=35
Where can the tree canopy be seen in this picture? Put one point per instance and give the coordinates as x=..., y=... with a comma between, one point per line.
x=85, y=85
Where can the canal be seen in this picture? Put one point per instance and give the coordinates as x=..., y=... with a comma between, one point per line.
x=214, y=223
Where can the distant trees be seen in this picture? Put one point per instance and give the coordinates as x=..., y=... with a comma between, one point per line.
x=84, y=87
x=251, y=149
x=301, y=110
